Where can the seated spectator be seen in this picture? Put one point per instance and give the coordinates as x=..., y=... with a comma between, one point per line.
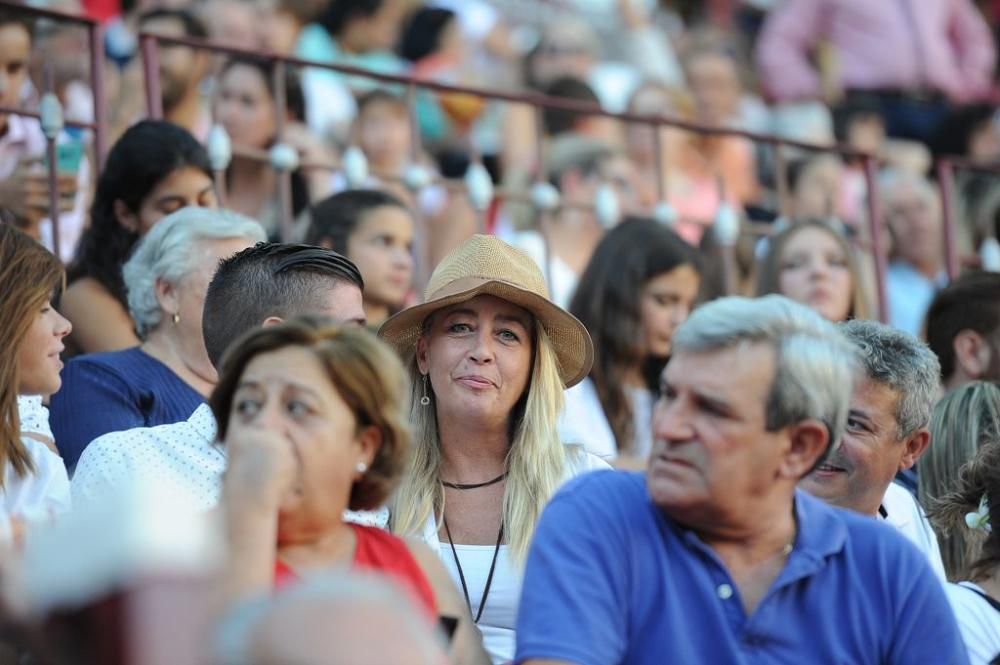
x=433, y=44
x=330, y=619
x=248, y=111
x=971, y=509
x=912, y=212
x=24, y=186
x=963, y=329
x=715, y=556
x=182, y=69
x=699, y=173
x=382, y=131
x=713, y=74
x=154, y=169
x=33, y=484
x=818, y=188
x=168, y=376
x=811, y=262
x=233, y=23
x=282, y=22
x=558, y=122
x=260, y=286
x=965, y=420
x=570, y=47
x=313, y=420
x=374, y=230
x=489, y=356
x=359, y=33
x=886, y=433
x=970, y=132
x=639, y=286
x=577, y=167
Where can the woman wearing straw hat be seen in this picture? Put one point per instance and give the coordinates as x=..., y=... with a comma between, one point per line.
x=489, y=356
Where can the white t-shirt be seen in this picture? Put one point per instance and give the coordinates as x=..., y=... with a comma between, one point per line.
x=978, y=621
x=906, y=516
x=499, y=618
x=38, y=496
x=583, y=421
x=563, y=278
x=182, y=456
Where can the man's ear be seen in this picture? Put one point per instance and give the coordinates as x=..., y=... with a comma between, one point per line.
x=808, y=440
x=972, y=353
x=126, y=217
x=914, y=446
x=272, y=321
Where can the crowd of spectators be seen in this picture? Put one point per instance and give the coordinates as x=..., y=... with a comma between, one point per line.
x=525, y=382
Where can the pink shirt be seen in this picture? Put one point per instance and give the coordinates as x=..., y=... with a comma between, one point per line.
x=941, y=45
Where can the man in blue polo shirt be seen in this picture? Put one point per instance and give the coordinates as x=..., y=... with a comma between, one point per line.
x=714, y=556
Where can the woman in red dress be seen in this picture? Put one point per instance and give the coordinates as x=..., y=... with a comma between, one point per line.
x=313, y=418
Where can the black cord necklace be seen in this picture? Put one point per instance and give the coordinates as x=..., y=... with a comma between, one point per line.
x=461, y=574
x=474, y=486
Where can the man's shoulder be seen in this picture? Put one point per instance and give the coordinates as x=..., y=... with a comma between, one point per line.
x=604, y=491
x=867, y=540
x=608, y=481
x=195, y=432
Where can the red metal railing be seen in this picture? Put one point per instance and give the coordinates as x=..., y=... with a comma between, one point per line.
x=95, y=44
x=149, y=49
x=150, y=43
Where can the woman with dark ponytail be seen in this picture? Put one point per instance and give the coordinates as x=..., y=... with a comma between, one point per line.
x=972, y=508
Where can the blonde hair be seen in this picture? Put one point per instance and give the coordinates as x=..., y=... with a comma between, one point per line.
x=536, y=460
x=769, y=267
x=963, y=421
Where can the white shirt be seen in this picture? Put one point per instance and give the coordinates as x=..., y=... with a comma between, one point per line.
x=562, y=280
x=910, y=293
x=905, y=515
x=499, y=617
x=38, y=496
x=583, y=421
x=978, y=621
x=34, y=416
x=184, y=456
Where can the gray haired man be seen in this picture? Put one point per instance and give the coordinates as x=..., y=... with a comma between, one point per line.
x=886, y=432
x=714, y=555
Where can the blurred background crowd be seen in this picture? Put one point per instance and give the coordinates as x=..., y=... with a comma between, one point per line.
x=647, y=155
x=906, y=84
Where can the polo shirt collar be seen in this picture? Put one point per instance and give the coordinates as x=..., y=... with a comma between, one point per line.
x=822, y=533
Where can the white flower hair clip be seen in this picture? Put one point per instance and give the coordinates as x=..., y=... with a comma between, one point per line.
x=980, y=518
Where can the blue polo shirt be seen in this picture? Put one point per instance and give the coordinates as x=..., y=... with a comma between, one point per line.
x=611, y=579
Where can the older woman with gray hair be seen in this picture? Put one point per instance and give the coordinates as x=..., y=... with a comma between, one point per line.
x=166, y=377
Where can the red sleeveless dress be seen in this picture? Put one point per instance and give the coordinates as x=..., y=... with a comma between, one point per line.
x=381, y=552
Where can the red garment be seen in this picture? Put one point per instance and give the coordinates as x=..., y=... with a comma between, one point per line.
x=384, y=553
x=102, y=9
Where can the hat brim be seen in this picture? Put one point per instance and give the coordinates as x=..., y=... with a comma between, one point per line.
x=571, y=342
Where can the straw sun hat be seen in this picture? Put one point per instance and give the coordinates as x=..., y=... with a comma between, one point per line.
x=488, y=265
